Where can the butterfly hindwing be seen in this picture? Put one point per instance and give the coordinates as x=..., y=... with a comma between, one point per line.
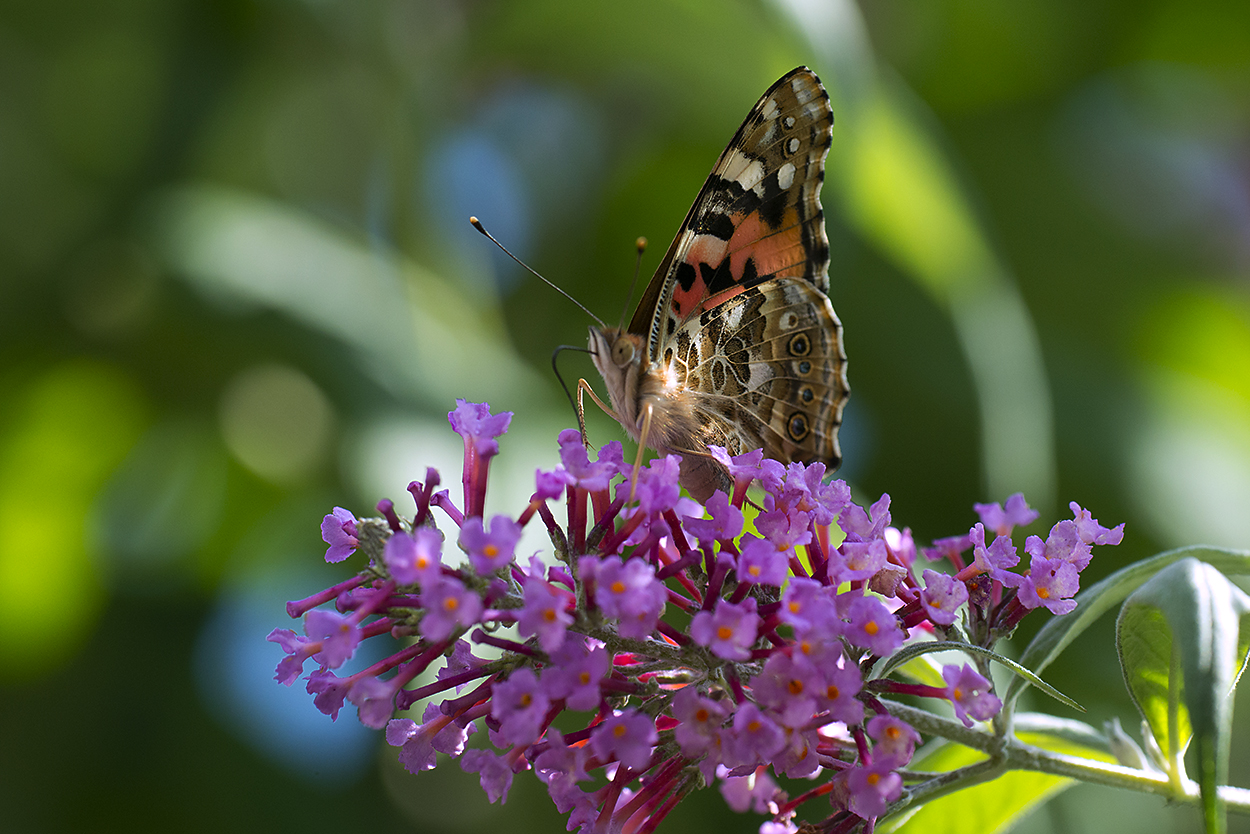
x=766, y=369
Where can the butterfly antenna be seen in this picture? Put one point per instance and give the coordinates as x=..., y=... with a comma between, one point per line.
x=556, y=355
x=477, y=224
x=641, y=244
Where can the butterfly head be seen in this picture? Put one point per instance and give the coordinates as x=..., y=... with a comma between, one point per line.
x=619, y=356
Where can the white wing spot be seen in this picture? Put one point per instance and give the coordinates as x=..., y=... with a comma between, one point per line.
x=733, y=316
x=789, y=120
x=785, y=176
x=761, y=372
x=793, y=145
x=750, y=174
x=770, y=109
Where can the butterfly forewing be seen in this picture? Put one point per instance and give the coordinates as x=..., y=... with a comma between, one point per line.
x=735, y=343
x=758, y=214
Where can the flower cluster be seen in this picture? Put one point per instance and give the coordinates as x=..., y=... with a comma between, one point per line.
x=676, y=645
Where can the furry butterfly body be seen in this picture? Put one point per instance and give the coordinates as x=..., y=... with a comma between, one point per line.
x=735, y=342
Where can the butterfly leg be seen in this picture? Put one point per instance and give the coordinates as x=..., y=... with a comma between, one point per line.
x=642, y=447
x=583, y=385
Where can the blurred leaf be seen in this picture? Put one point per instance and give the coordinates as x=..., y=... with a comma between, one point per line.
x=65, y=434
x=1180, y=650
x=1201, y=334
x=1091, y=603
x=908, y=653
x=415, y=332
x=991, y=806
x=164, y=501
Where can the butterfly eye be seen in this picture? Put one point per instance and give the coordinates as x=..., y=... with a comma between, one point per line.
x=623, y=352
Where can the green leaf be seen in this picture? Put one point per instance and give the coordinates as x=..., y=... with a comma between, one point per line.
x=916, y=650
x=1094, y=601
x=990, y=806
x=1187, y=619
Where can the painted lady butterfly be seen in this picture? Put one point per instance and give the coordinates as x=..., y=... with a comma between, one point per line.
x=734, y=342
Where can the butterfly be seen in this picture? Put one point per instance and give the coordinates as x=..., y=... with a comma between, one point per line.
x=734, y=342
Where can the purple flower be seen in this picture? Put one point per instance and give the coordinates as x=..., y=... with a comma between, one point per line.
x=861, y=559
x=448, y=605
x=1063, y=544
x=576, y=670
x=804, y=491
x=752, y=466
x=374, y=699
x=329, y=691
x=753, y=792
x=865, y=526
x=755, y=737
x=478, y=427
x=630, y=592
x=724, y=525
x=729, y=631
x=490, y=551
x=950, y=547
x=657, y=489
x=461, y=659
x=700, y=721
x=298, y=648
x=415, y=559
x=798, y=759
x=842, y=682
x=339, y=636
x=789, y=687
x=551, y=484
x=998, y=558
x=762, y=562
x=496, y=775
x=416, y=752
x=870, y=789
x=520, y=706
x=562, y=767
x=1002, y=519
x=593, y=477
x=970, y=694
x=808, y=606
x=627, y=736
x=942, y=596
x=338, y=529
x=786, y=529
x=545, y=612
x=1090, y=531
x=896, y=740
x=1049, y=583
x=872, y=626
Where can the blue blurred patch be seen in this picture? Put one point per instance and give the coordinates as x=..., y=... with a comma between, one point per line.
x=234, y=668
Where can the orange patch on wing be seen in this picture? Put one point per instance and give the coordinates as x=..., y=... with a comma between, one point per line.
x=704, y=249
x=772, y=251
x=721, y=297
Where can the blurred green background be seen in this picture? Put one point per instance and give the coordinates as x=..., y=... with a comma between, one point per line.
x=237, y=288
